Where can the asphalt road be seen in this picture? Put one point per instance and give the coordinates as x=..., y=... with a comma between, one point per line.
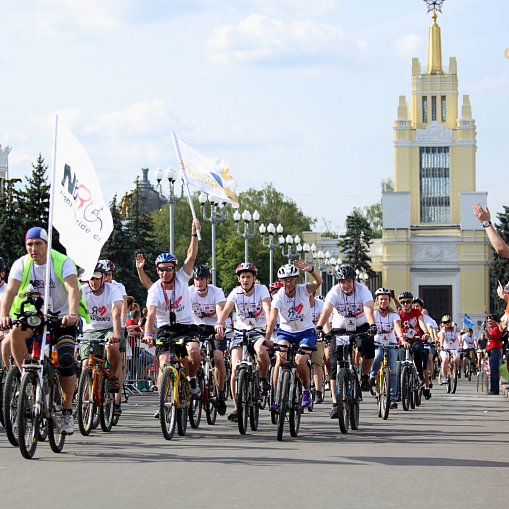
x=453, y=451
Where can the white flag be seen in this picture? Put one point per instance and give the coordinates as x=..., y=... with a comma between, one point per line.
x=210, y=174
x=81, y=215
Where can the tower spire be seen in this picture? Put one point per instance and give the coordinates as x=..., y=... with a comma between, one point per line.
x=435, y=44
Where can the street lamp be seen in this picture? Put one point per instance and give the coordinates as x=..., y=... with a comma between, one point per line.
x=271, y=244
x=171, y=175
x=289, y=241
x=216, y=215
x=246, y=216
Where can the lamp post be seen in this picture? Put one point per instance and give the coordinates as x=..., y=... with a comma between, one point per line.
x=171, y=175
x=246, y=216
x=289, y=241
x=271, y=244
x=216, y=215
x=306, y=248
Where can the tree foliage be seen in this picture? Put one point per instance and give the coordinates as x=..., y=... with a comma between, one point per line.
x=499, y=267
x=356, y=241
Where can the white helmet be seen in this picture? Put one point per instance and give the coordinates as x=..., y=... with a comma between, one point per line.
x=287, y=270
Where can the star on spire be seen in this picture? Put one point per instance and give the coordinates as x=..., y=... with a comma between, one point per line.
x=434, y=5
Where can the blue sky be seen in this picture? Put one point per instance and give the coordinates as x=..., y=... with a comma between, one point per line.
x=302, y=94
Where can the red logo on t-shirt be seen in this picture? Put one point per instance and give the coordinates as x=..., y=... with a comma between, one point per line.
x=298, y=309
x=102, y=310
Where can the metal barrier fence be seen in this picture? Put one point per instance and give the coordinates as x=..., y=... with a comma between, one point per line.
x=140, y=367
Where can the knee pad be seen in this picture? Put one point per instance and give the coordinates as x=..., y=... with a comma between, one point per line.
x=66, y=359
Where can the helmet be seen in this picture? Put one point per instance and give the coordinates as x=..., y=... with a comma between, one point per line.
x=287, y=270
x=383, y=291
x=446, y=318
x=419, y=301
x=165, y=258
x=109, y=264
x=246, y=267
x=201, y=271
x=274, y=287
x=405, y=295
x=101, y=266
x=345, y=272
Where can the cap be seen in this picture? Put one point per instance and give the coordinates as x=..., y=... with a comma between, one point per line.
x=37, y=233
x=97, y=274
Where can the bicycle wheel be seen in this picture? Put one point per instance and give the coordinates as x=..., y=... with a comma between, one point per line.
x=28, y=421
x=211, y=405
x=227, y=379
x=2, y=383
x=167, y=407
x=254, y=409
x=417, y=393
x=107, y=405
x=242, y=399
x=406, y=389
x=183, y=392
x=197, y=402
x=454, y=378
x=295, y=409
x=411, y=385
x=355, y=394
x=283, y=404
x=263, y=400
x=85, y=402
x=343, y=397
x=385, y=393
x=274, y=415
x=10, y=404
x=55, y=436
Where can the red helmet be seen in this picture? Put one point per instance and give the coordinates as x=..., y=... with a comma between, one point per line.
x=109, y=264
x=274, y=287
x=246, y=267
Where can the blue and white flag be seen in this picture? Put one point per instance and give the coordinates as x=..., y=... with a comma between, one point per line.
x=468, y=321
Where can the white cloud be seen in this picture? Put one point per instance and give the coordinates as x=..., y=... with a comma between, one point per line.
x=489, y=83
x=261, y=40
x=300, y=7
x=409, y=46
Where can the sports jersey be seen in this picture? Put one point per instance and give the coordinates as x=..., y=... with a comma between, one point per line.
x=249, y=309
x=451, y=340
x=294, y=312
x=100, y=307
x=204, y=308
x=349, y=306
x=58, y=297
x=468, y=341
x=410, y=325
x=385, y=334
x=178, y=300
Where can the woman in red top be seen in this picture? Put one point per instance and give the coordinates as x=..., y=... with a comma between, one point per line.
x=494, y=349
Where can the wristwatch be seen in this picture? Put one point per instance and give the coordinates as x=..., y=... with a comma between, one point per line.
x=485, y=224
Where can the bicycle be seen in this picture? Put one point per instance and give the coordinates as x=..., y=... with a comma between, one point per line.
x=174, y=397
x=483, y=378
x=411, y=391
x=93, y=392
x=210, y=391
x=471, y=367
x=382, y=388
x=452, y=372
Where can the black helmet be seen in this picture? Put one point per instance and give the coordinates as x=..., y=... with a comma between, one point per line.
x=419, y=301
x=383, y=291
x=405, y=295
x=202, y=271
x=345, y=272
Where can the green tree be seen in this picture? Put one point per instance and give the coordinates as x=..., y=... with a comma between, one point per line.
x=356, y=241
x=12, y=225
x=499, y=267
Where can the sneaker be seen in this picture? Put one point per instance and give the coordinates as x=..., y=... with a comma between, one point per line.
x=234, y=416
x=67, y=426
x=430, y=384
x=265, y=386
x=306, y=398
x=327, y=386
x=116, y=409
x=221, y=407
x=318, y=398
x=426, y=393
x=443, y=381
x=365, y=385
x=156, y=415
x=334, y=414
x=372, y=381
x=273, y=407
x=394, y=405
x=194, y=389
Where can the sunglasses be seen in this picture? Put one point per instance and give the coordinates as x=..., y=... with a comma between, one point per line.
x=406, y=301
x=171, y=268
x=448, y=321
x=289, y=280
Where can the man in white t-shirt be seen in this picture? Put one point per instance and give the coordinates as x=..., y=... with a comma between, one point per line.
x=252, y=304
x=169, y=305
x=104, y=303
x=207, y=302
x=468, y=348
x=291, y=304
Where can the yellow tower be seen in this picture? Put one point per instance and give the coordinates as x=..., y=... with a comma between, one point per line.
x=432, y=244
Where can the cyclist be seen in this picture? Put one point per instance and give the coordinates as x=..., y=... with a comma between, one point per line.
x=388, y=331
x=449, y=345
x=169, y=303
x=252, y=305
x=64, y=298
x=480, y=346
x=207, y=302
x=291, y=305
x=353, y=305
x=104, y=303
x=467, y=348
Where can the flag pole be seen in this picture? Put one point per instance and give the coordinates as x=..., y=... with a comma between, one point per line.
x=183, y=177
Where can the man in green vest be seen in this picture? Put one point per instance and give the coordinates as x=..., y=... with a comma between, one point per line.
x=64, y=298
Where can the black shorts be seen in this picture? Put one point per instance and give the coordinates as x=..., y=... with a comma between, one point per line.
x=174, y=332
x=208, y=330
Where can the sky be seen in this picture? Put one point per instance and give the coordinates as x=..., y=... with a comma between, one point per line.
x=296, y=93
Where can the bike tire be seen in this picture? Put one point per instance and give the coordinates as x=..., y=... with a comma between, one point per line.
x=85, y=402
x=274, y=414
x=263, y=400
x=167, y=406
x=254, y=409
x=411, y=384
x=385, y=393
x=2, y=382
x=354, y=403
x=296, y=408
x=106, y=410
x=454, y=379
x=405, y=389
x=283, y=404
x=343, y=399
x=56, y=438
x=10, y=404
x=197, y=402
x=211, y=405
x=183, y=392
x=242, y=400
x=28, y=421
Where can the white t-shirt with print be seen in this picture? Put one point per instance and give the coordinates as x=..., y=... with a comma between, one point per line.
x=468, y=341
x=121, y=289
x=178, y=298
x=249, y=310
x=351, y=306
x=451, y=340
x=204, y=308
x=100, y=307
x=385, y=334
x=58, y=298
x=316, y=310
x=295, y=312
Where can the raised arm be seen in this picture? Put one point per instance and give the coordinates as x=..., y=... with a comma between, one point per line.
x=496, y=240
x=140, y=264
x=192, y=250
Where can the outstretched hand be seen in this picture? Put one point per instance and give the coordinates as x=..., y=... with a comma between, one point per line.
x=140, y=261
